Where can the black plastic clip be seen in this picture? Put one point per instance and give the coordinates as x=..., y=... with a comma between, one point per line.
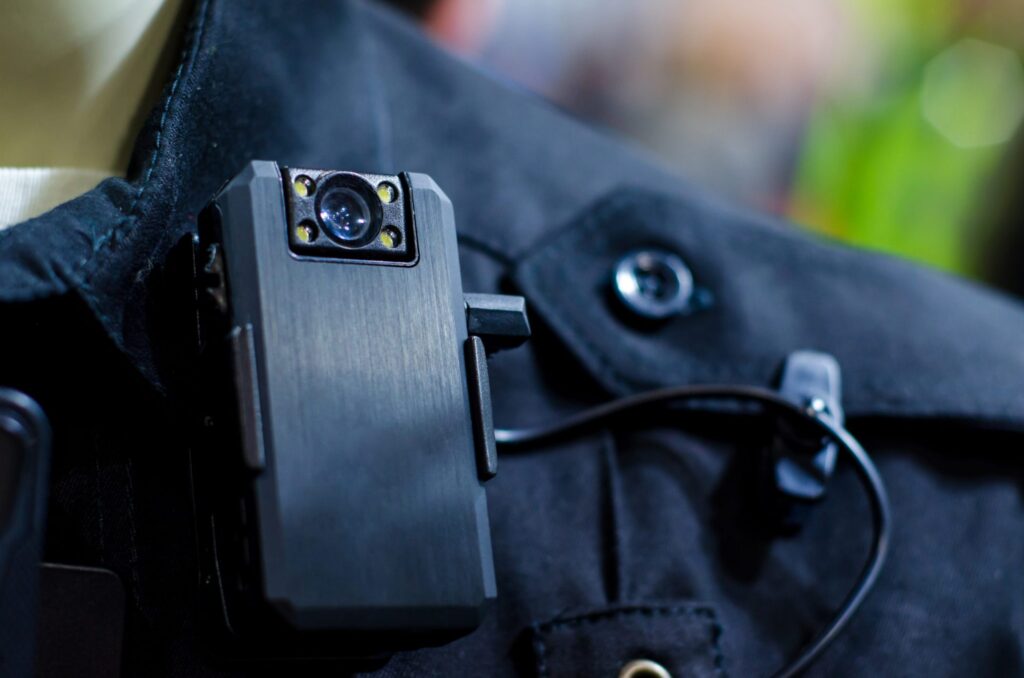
x=801, y=460
x=498, y=319
x=495, y=322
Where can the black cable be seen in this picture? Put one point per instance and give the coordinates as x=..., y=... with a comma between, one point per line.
x=866, y=472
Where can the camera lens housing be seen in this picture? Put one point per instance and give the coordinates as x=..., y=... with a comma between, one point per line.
x=363, y=218
x=349, y=211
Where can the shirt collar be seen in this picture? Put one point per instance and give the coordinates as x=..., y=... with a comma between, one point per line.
x=244, y=88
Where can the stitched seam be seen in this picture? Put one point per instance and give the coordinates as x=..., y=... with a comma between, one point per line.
x=619, y=588
x=701, y=612
x=541, y=650
x=131, y=217
x=133, y=550
x=546, y=251
x=606, y=615
x=561, y=317
x=716, y=371
x=606, y=368
x=477, y=244
x=544, y=247
x=716, y=646
x=99, y=507
x=549, y=252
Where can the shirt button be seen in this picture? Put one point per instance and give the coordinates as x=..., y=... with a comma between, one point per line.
x=653, y=284
x=644, y=668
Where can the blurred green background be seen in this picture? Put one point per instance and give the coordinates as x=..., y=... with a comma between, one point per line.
x=889, y=124
x=911, y=164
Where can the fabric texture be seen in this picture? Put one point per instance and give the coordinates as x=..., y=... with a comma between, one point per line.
x=600, y=640
x=27, y=192
x=659, y=513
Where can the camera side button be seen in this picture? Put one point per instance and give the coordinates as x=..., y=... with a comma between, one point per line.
x=480, y=404
x=247, y=393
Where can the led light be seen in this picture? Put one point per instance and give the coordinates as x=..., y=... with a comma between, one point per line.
x=303, y=186
x=390, y=237
x=386, y=192
x=305, y=232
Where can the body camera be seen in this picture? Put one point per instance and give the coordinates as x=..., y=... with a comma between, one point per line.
x=340, y=486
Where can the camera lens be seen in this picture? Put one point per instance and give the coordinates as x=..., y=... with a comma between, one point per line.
x=345, y=216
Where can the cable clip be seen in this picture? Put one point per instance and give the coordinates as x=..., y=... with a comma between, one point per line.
x=801, y=460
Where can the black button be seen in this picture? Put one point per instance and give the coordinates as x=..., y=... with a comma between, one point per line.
x=653, y=283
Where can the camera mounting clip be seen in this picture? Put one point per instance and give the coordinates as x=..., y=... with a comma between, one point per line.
x=495, y=322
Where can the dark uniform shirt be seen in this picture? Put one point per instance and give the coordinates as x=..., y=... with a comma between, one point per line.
x=645, y=539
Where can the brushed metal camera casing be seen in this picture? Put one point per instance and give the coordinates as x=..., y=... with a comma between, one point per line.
x=363, y=510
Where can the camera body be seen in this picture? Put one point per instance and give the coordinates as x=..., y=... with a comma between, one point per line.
x=346, y=416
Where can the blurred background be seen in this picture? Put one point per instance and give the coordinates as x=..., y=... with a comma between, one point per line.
x=889, y=124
